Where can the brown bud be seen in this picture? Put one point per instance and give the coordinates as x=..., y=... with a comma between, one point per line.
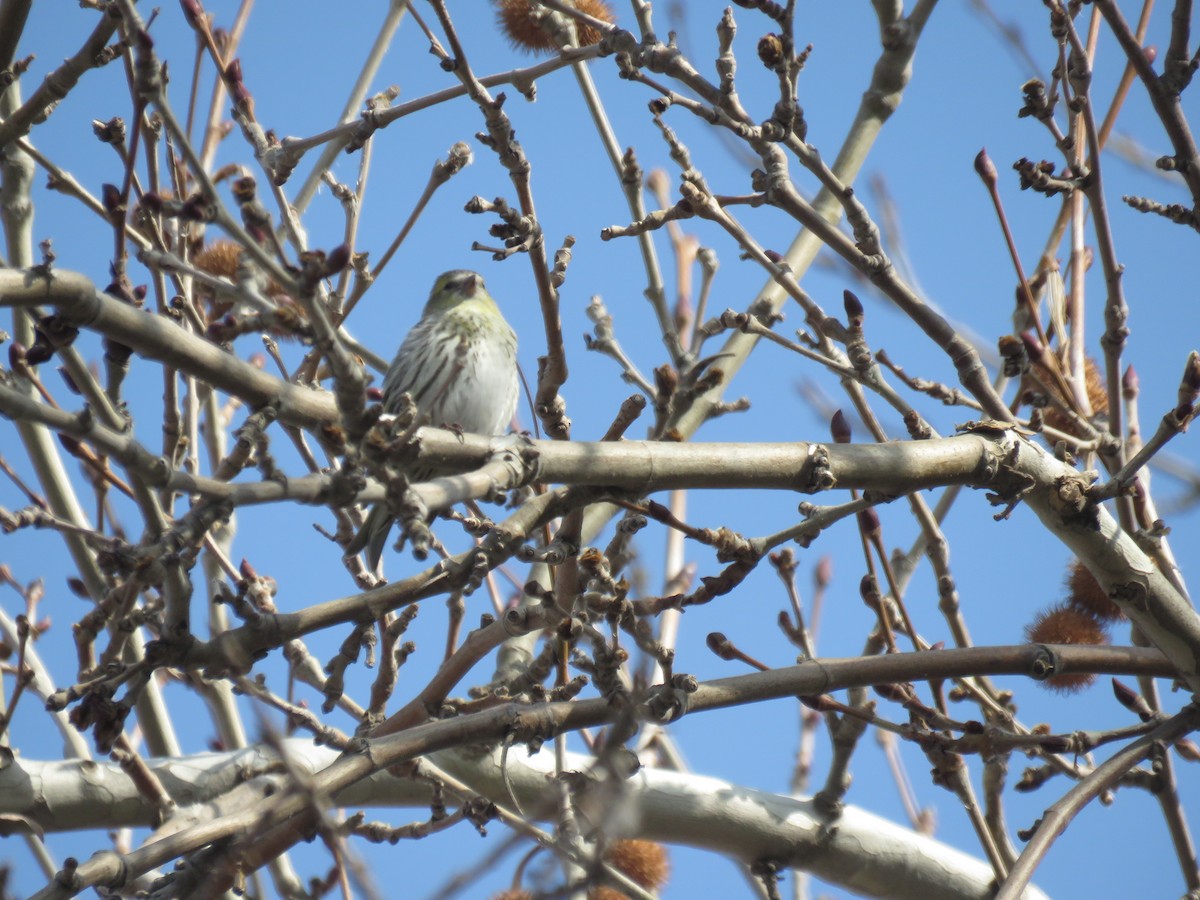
x=985, y=168
x=193, y=12
x=666, y=381
x=17, y=356
x=1188, y=750
x=839, y=428
x=238, y=92
x=337, y=259
x=1129, y=383
x=823, y=574
x=1131, y=699
x=854, y=309
x=1189, y=385
x=869, y=591
x=110, y=196
x=868, y=522
x=720, y=646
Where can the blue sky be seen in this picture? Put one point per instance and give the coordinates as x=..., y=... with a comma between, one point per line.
x=299, y=60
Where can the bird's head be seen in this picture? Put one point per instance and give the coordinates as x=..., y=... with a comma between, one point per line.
x=455, y=287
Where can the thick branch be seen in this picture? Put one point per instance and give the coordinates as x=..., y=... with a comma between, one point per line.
x=540, y=721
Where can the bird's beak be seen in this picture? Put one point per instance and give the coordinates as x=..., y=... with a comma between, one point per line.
x=470, y=285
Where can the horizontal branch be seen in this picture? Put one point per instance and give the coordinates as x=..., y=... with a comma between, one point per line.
x=991, y=456
x=23, y=784
x=867, y=853
x=1014, y=469
x=23, y=794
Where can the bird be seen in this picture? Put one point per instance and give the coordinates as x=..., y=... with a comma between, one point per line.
x=459, y=366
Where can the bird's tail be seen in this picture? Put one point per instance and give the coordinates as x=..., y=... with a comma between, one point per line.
x=373, y=535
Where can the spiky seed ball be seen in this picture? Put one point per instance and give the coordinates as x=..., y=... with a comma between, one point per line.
x=219, y=258
x=1097, y=392
x=1063, y=624
x=1097, y=395
x=645, y=862
x=1085, y=594
x=519, y=24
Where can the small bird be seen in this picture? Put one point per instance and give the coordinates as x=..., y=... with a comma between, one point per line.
x=459, y=366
